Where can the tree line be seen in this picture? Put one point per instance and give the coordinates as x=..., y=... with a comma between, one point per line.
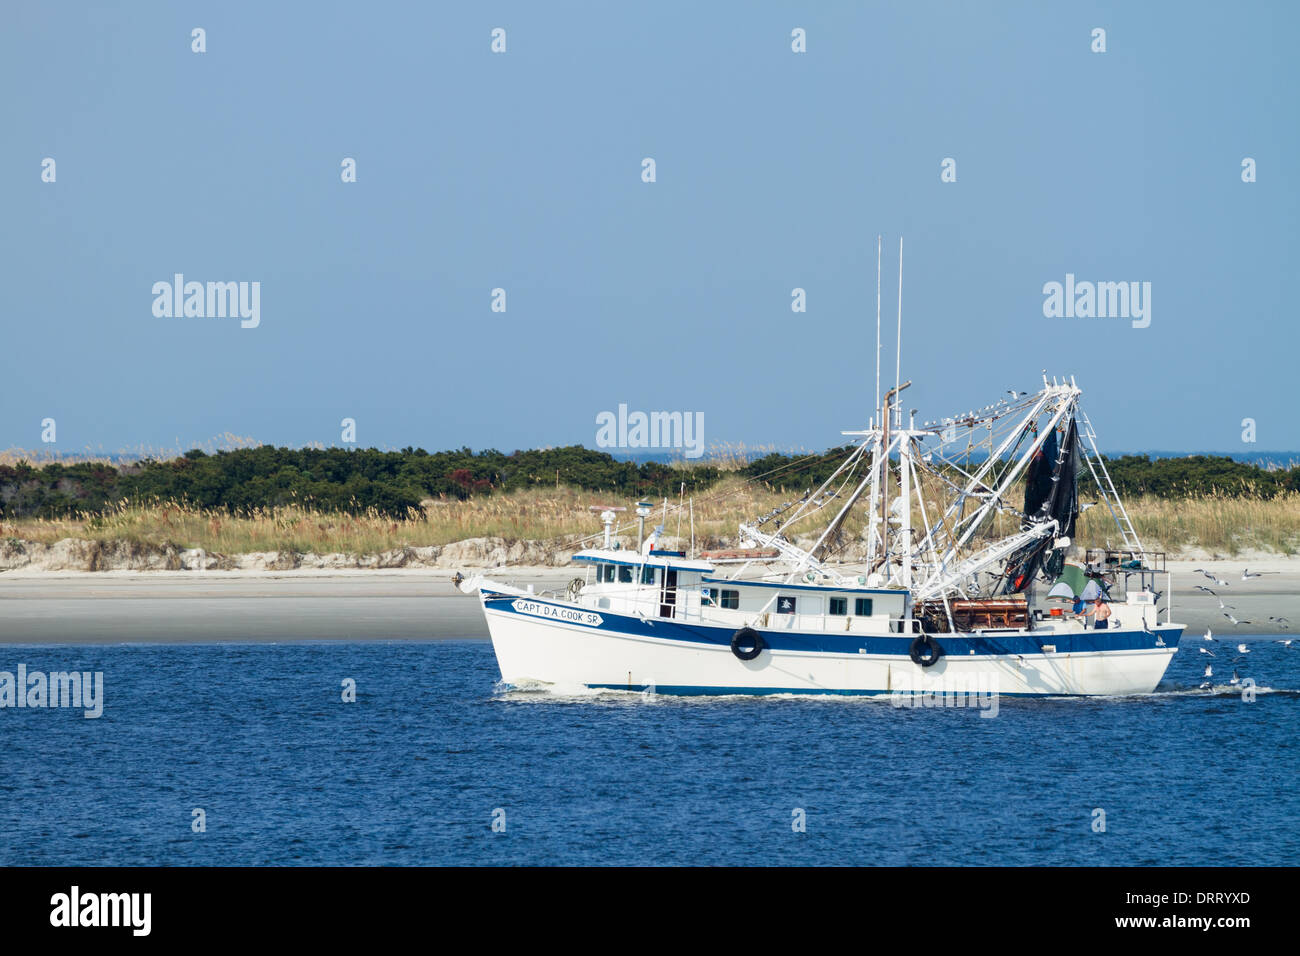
x=393, y=482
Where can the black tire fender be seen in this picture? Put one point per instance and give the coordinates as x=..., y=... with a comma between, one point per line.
x=923, y=645
x=747, y=643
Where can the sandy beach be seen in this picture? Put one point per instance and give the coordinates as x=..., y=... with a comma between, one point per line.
x=186, y=607
x=43, y=607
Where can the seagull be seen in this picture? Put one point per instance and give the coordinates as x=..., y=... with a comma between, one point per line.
x=1209, y=635
x=1243, y=649
x=1286, y=643
x=1223, y=606
x=1015, y=395
x=1219, y=581
x=1247, y=574
x=1209, y=671
x=1235, y=678
x=1202, y=587
x=1206, y=650
x=1280, y=621
x=1233, y=619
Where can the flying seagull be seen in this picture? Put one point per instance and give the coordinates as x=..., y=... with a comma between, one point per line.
x=1286, y=643
x=1206, y=650
x=1209, y=635
x=1247, y=574
x=1202, y=587
x=1280, y=621
x=1233, y=619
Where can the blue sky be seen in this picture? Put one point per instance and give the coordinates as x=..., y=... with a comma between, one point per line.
x=522, y=171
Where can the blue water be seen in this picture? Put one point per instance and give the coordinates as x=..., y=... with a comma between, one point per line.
x=258, y=737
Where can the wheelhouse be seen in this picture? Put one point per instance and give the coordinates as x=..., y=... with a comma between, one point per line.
x=666, y=584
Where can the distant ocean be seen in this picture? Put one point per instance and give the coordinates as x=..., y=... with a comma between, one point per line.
x=433, y=752
x=1265, y=459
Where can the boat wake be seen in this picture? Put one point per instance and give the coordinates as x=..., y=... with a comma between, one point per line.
x=543, y=693
x=1220, y=690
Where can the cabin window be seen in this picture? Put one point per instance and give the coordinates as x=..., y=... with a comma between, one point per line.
x=606, y=573
x=624, y=574
x=785, y=604
x=862, y=607
x=729, y=600
x=647, y=575
x=839, y=606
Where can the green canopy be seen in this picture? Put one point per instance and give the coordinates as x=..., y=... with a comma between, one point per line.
x=1072, y=576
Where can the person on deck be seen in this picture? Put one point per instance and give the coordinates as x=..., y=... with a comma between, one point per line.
x=1102, y=613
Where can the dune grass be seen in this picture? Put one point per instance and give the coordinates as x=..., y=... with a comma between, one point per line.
x=562, y=515
x=1215, y=523
x=1218, y=524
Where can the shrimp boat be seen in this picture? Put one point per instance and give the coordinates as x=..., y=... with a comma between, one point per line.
x=946, y=564
x=953, y=585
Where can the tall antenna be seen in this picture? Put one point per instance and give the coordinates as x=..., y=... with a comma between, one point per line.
x=877, y=405
x=898, y=364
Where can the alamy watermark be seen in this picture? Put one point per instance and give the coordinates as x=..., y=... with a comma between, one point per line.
x=1101, y=300
x=129, y=910
x=213, y=300
x=977, y=691
x=36, y=689
x=626, y=429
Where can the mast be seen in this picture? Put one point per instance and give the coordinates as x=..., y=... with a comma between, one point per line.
x=905, y=476
x=898, y=361
x=877, y=321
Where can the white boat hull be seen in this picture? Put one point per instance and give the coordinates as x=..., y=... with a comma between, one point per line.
x=677, y=658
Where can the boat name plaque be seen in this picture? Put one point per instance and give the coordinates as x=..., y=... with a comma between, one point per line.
x=567, y=614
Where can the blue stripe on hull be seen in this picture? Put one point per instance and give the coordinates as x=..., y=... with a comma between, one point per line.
x=982, y=645
x=686, y=690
